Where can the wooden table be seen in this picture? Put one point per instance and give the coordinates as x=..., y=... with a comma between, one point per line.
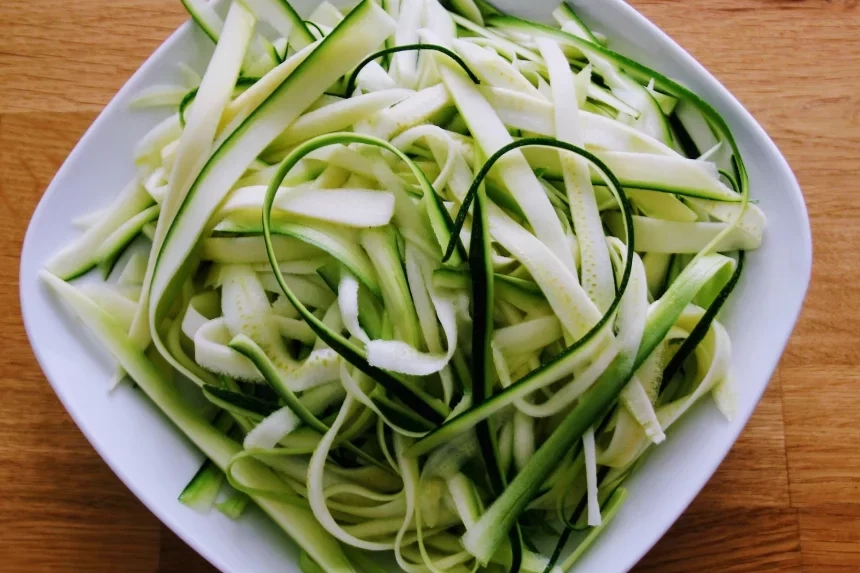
x=787, y=497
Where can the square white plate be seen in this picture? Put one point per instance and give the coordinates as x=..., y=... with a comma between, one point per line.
x=155, y=461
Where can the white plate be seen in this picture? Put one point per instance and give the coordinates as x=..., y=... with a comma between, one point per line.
x=155, y=461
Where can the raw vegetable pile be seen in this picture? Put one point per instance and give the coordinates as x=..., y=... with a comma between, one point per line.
x=440, y=276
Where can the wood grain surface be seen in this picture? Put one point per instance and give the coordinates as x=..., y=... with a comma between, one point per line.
x=787, y=498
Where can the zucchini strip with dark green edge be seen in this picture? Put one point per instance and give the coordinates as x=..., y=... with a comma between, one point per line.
x=569, y=528
x=610, y=508
x=487, y=8
x=481, y=266
x=255, y=354
x=313, y=235
x=426, y=405
x=204, y=15
x=315, y=27
x=640, y=73
x=234, y=505
x=527, y=142
x=523, y=294
x=701, y=329
x=732, y=181
x=115, y=245
x=560, y=364
x=486, y=536
x=242, y=81
x=577, y=519
x=247, y=406
x=467, y=8
x=284, y=19
x=79, y=257
x=202, y=491
x=350, y=84
x=682, y=137
x=202, y=19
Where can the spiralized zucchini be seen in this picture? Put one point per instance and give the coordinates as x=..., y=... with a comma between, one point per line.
x=441, y=275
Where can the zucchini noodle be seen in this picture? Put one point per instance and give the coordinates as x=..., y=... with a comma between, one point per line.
x=440, y=276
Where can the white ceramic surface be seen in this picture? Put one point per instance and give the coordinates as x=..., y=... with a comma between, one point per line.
x=156, y=461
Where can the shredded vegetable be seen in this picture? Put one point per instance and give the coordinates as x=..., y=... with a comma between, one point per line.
x=440, y=275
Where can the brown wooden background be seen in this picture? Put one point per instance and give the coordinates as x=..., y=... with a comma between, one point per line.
x=788, y=496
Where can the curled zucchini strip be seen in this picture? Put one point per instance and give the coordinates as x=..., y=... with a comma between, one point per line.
x=425, y=405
